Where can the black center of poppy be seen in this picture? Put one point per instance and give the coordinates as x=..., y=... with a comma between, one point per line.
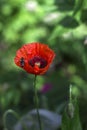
x=40, y=62
x=22, y=62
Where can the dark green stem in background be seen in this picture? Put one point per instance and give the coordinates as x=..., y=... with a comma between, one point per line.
x=36, y=103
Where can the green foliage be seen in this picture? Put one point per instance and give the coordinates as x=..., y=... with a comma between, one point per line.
x=71, y=122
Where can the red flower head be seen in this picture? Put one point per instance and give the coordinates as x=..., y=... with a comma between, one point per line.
x=35, y=58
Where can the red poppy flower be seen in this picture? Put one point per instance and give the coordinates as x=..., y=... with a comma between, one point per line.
x=35, y=58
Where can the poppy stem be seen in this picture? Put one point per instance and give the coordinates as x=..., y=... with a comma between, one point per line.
x=37, y=103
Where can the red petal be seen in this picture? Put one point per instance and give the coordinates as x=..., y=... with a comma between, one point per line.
x=29, y=51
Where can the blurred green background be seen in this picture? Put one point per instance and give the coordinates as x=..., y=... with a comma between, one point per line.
x=62, y=24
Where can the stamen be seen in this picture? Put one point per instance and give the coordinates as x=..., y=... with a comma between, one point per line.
x=38, y=64
x=39, y=61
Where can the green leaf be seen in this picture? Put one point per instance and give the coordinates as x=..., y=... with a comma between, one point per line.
x=79, y=4
x=65, y=5
x=84, y=16
x=85, y=4
x=71, y=121
x=69, y=22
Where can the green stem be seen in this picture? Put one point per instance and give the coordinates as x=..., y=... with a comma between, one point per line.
x=36, y=103
x=70, y=105
x=70, y=93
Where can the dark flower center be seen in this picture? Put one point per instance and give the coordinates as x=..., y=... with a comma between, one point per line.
x=40, y=62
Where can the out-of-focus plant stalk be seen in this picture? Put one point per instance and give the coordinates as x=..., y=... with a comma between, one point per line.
x=70, y=105
x=15, y=115
x=70, y=94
